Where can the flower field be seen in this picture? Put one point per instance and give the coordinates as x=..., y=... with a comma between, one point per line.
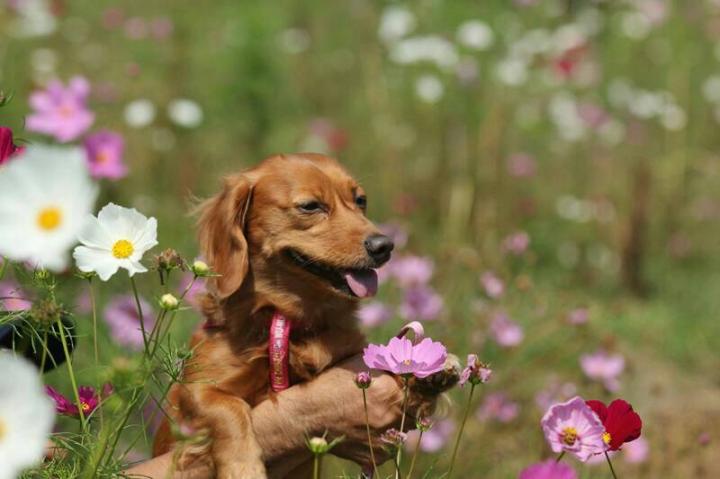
x=547, y=169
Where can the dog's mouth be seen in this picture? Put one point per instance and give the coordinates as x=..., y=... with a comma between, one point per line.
x=356, y=282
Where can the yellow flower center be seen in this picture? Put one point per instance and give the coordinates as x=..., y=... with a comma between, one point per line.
x=85, y=406
x=2, y=430
x=122, y=249
x=607, y=437
x=49, y=218
x=569, y=435
x=102, y=157
x=407, y=362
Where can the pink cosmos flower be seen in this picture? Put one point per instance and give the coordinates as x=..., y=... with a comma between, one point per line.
x=373, y=314
x=603, y=367
x=578, y=316
x=421, y=303
x=506, y=332
x=60, y=111
x=104, y=151
x=89, y=400
x=554, y=392
x=573, y=427
x=637, y=451
x=434, y=439
x=195, y=293
x=12, y=297
x=548, y=470
x=400, y=356
x=498, y=407
x=521, y=165
x=475, y=372
x=516, y=243
x=412, y=270
x=122, y=317
x=8, y=149
x=161, y=27
x=494, y=286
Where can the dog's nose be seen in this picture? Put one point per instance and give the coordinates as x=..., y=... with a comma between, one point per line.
x=379, y=247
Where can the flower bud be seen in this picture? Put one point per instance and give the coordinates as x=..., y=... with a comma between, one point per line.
x=317, y=445
x=169, y=302
x=424, y=424
x=200, y=268
x=393, y=438
x=363, y=379
x=169, y=260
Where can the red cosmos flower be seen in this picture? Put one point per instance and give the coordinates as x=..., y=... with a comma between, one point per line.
x=622, y=424
x=7, y=147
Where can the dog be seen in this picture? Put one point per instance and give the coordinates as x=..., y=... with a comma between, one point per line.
x=291, y=245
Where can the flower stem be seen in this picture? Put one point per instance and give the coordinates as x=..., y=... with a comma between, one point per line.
x=612, y=470
x=460, y=432
x=367, y=426
x=43, y=357
x=71, y=373
x=559, y=457
x=398, y=457
x=94, y=322
x=415, y=454
x=140, y=314
x=316, y=467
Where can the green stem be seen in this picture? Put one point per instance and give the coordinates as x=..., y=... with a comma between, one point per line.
x=612, y=470
x=316, y=467
x=415, y=454
x=398, y=456
x=559, y=457
x=94, y=322
x=71, y=373
x=140, y=313
x=3, y=266
x=43, y=357
x=367, y=426
x=460, y=432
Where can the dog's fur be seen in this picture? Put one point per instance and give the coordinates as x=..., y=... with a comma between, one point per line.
x=245, y=234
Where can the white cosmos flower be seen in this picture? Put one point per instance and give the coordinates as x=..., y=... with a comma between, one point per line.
x=117, y=238
x=45, y=195
x=26, y=416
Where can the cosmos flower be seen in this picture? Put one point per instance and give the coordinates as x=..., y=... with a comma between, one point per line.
x=493, y=285
x=395, y=23
x=521, y=165
x=393, y=438
x=578, y=316
x=396, y=232
x=195, y=294
x=61, y=111
x=434, y=439
x=89, y=400
x=104, y=151
x=506, y=332
x=122, y=316
x=622, y=424
x=516, y=243
x=410, y=270
x=12, y=297
x=185, y=113
x=497, y=407
x=374, y=313
x=400, y=356
x=421, y=303
x=636, y=452
x=476, y=372
x=8, y=149
x=44, y=197
x=603, y=367
x=573, y=427
x=26, y=416
x=549, y=469
x=475, y=34
x=117, y=238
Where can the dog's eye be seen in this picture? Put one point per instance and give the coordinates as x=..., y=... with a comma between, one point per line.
x=312, y=206
x=361, y=201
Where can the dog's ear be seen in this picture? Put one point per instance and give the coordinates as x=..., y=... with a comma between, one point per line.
x=221, y=229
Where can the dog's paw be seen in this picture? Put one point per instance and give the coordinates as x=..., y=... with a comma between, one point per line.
x=242, y=470
x=441, y=381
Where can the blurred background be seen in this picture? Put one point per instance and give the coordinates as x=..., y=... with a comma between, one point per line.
x=548, y=168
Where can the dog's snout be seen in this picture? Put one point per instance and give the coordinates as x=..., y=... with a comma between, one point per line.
x=379, y=247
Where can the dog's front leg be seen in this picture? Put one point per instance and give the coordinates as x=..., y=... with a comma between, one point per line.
x=234, y=449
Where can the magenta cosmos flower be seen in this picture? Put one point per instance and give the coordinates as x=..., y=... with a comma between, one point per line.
x=374, y=313
x=7, y=145
x=603, y=367
x=412, y=270
x=573, y=427
x=61, y=111
x=104, y=151
x=421, y=303
x=506, y=332
x=400, y=356
x=548, y=470
x=122, y=317
x=434, y=439
x=89, y=400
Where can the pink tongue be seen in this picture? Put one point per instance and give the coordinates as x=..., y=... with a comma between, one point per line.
x=363, y=283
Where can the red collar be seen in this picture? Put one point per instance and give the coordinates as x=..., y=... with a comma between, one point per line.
x=278, y=352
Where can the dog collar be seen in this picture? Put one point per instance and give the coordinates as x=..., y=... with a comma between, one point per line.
x=278, y=347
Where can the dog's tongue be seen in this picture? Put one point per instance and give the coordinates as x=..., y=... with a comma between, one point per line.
x=363, y=283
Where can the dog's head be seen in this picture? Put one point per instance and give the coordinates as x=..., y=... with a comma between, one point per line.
x=299, y=222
